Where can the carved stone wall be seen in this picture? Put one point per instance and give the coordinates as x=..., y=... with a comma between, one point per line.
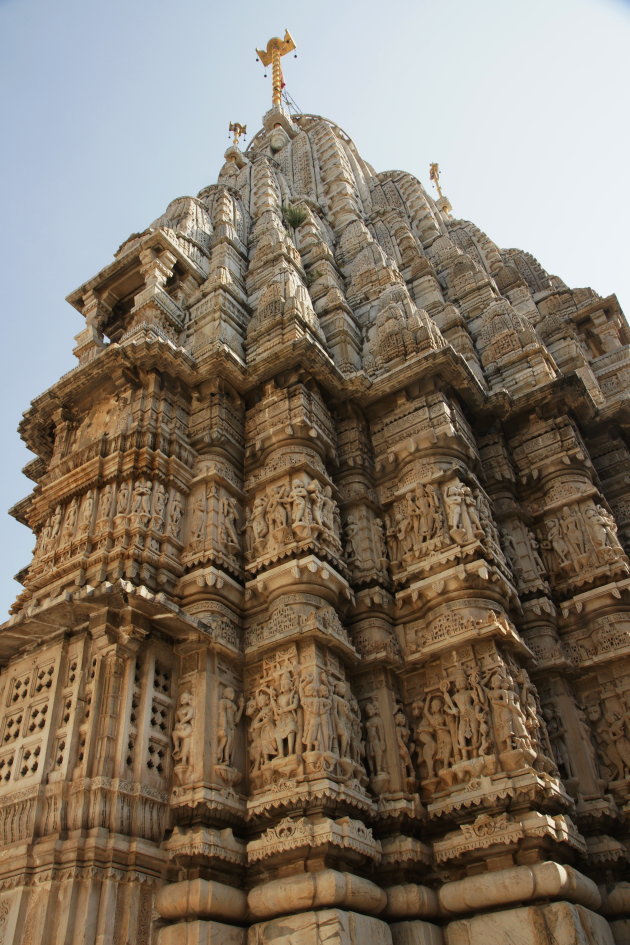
x=326, y=635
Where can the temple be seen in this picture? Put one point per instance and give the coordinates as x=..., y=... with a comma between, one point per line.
x=326, y=635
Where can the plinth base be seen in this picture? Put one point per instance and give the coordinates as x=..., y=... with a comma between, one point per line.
x=332, y=926
x=557, y=923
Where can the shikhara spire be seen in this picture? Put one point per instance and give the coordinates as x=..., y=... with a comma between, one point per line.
x=325, y=636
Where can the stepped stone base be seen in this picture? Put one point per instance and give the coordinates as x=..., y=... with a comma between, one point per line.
x=558, y=923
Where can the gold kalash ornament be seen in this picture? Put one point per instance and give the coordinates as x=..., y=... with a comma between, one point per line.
x=237, y=130
x=276, y=48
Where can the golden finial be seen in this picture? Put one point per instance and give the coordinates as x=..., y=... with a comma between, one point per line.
x=443, y=203
x=276, y=48
x=434, y=174
x=237, y=130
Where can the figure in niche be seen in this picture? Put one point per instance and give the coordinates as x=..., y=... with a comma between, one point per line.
x=375, y=739
x=230, y=712
x=601, y=530
x=350, y=549
x=404, y=743
x=573, y=531
x=182, y=730
x=285, y=711
x=462, y=707
x=343, y=721
x=198, y=528
x=404, y=538
x=300, y=509
x=317, y=503
x=264, y=745
x=380, y=546
x=175, y=515
x=316, y=703
x=587, y=740
x=434, y=512
x=104, y=510
x=70, y=521
x=529, y=703
x=414, y=512
x=537, y=561
x=258, y=524
x=55, y=524
x=557, y=737
x=142, y=503
x=509, y=722
x=277, y=511
x=159, y=506
x=357, y=745
x=433, y=732
x=86, y=513
x=122, y=501
x=229, y=521
x=555, y=541
x=42, y=540
x=329, y=510
x=463, y=518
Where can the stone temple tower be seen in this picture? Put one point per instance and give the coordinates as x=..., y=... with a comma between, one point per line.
x=326, y=635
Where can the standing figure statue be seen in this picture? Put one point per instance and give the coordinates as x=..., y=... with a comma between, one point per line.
x=230, y=712
x=375, y=739
x=182, y=730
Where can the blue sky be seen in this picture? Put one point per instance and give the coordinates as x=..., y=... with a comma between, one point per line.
x=110, y=110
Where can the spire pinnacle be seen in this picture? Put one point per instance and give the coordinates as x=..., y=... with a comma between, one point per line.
x=443, y=203
x=276, y=48
x=237, y=130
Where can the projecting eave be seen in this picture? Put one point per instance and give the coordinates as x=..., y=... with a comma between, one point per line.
x=121, y=276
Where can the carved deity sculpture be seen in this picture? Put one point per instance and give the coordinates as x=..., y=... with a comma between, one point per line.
x=264, y=746
x=285, y=712
x=228, y=512
x=230, y=712
x=160, y=499
x=70, y=520
x=316, y=704
x=175, y=515
x=434, y=734
x=86, y=513
x=122, y=500
x=198, y=525
x=572, y=527
x=104, y=509
x=182, y=730
x=461, y=508
x=343, y=721
x=403, y=742
x=141, y=509
x=510, y=727
x=557, y=736
x=375, y=739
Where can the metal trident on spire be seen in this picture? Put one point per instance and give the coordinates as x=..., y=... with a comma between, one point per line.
x=276, y=48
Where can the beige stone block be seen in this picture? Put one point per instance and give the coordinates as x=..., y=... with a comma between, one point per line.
x=324, y=927
x=558, y=923
x=201, y=897
x=540, y=881
x=315, y=890
x=201, y=933
x=416, y=933
x=410, y=900
x=621, y=931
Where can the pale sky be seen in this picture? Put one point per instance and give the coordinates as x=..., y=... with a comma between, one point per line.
x=110, y=110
